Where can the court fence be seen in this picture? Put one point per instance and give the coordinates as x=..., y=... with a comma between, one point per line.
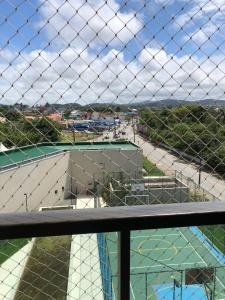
x=105, y=267
x=196, y=191
x=201, y=283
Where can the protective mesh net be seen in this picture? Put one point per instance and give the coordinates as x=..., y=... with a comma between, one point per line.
x=112, y=103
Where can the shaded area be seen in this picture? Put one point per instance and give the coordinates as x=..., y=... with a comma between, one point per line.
x=10, y=247
x=216, y=235
x=46, y=273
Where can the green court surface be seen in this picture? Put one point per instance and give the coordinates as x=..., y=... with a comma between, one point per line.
x=159, y=257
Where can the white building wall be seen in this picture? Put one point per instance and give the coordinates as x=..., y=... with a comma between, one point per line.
x=88, y=165
x=39, y=180
x=52, y=179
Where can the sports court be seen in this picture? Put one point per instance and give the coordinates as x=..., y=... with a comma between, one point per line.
x=161, y=260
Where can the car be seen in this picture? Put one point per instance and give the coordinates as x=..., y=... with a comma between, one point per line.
x=87, y=131
x=116, y=136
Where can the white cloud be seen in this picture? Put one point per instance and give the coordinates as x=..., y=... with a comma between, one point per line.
x=202, y=20
x=200, y=36
x=69, y=74
x=84, y=78
x=82, y=24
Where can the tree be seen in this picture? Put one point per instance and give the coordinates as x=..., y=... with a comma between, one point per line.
x=48, y=130
x=67, y=112
x=11, y=114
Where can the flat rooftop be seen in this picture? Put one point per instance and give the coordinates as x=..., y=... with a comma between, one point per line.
x=23, y=154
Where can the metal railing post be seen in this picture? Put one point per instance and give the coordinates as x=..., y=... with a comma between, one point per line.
x=124, y=265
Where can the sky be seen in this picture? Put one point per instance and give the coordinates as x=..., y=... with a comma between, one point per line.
x=114, y=51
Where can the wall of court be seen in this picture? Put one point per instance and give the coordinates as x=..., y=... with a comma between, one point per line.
x=153, y=196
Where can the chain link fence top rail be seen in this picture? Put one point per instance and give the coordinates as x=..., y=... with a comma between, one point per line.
x=107, y=103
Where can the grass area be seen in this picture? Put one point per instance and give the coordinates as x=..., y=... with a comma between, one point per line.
x=67, y=137
x=216, y=234
x=46, y=273
x=151, y=169
x=8, y=248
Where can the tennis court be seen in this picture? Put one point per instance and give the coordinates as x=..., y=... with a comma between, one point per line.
x=159, y=262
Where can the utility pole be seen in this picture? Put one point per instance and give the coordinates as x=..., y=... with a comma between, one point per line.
x=199, y=171
x=74, y=137
x=133, y=127
x=26, y=202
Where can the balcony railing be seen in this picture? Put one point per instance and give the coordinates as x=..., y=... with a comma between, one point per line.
x=115, y=219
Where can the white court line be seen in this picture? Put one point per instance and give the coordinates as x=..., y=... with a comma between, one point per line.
x=158, y=249
x=154, y=235
x=216, y=260
x=189, y=263
x=192, y=247
x=132, y=291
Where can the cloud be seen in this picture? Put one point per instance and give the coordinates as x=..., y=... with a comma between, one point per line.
x=201, y=20
x=93, y=24
x=69, y=77
x=200, y=36
x=70, y=72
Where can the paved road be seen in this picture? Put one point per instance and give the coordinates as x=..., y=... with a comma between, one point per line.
x=170, y=163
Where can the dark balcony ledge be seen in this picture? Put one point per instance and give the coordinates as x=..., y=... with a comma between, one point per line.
x=80, y=221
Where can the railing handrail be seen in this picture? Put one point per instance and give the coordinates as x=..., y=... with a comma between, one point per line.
x=122, y=218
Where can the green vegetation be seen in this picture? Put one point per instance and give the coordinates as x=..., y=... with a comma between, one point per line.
x=46, y=273
x=18, y=131
x=10, y=247
x=193, y=129
x=151, y=169
x=67, y=137
x=216, y=234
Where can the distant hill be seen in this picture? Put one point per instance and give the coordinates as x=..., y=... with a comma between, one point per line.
x=119, y=107
x=174, y=103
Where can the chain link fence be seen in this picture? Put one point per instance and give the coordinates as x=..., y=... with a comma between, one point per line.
x=112, y=103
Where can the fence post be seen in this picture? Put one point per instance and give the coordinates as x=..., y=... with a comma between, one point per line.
x=181, y=281
x=146, y=286
x=199, y=171
x=124, y=265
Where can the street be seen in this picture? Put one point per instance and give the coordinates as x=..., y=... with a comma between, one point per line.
x=169, y=163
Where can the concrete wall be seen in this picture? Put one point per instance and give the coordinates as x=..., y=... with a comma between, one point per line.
x=49, y=181
x=155, y=196
x=165, y=195
x=94, y=164
x=43, y=181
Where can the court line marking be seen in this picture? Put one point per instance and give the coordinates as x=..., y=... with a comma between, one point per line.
x=132, y=291
x=211, y=253
x=154, y=266
x=173, y=248
x=154, y=235
x=202, y=260
x=184, y=237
